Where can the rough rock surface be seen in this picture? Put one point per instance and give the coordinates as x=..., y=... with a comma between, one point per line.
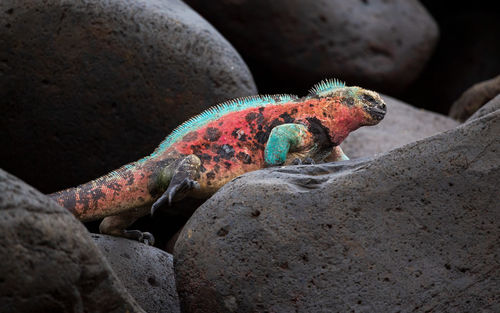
x=490, y=107
x=378, y=44
x=474, y=98
x=49, y=263
x=413, y=230
x=89, y=85
x=402, y=124
x=145, y=271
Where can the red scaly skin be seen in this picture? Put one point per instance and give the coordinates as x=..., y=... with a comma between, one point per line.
x=227, y=147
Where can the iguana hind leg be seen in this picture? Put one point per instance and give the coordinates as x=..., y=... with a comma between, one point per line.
x=182, y=181
x=116, y=226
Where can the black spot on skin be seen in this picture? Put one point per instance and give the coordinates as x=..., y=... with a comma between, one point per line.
x=227, y=165
x=196, y=149
x=225, y=151
x=190, y=136
x=243, y=138
x=114, y=186
x=212, y=134
x=202, y=169
x=261, y=109
x=210, y=175
x=348, y=101
x=243, y=157
x=206, y=145
x=251, y=117
x=287, y=118
x=262, y=137
x=130, y=180
x=216, y=168
x=259, y=127
x=320, y=132
x=294, y=111
x=237, y=134
x=216, y=159
x=205, y=157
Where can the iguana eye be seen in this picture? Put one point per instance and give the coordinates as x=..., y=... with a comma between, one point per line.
x=368, y=98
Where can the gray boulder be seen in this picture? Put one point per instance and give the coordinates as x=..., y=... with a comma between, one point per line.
x=474, y=98
x=146, y=272
x=49, y=263
x=377, y=44
x=402, y=124
x=106, y=79
x=490, y=107
x=413, y=230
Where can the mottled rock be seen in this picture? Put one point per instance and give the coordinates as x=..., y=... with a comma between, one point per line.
x=402, y=124
x=490, y=107
x=145, y=271
x=474, y=98
x=413, y=230
x=89, y=85
x=49, y=262
x=289, y=44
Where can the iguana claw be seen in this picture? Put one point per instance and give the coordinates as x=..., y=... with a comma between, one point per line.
x=173, y=189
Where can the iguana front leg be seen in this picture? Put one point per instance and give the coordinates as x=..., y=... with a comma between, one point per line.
x=288, y=141
x=180, y=179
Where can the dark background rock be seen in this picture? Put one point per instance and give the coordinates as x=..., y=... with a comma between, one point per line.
x=402, y=124
x=490, y=107
x=467, y=53
x=49, y=263
x=415, y=229
x=146, y=272
x=87, y=86
x=474, y=98
x=290, y=45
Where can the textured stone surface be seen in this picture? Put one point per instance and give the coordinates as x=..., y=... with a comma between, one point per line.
x=49, y=263
x=490, y=107
x=402, y=124
x=378, y=44
x=145, y=271
x=474, y=98
x=413, y=230
x=89, y=85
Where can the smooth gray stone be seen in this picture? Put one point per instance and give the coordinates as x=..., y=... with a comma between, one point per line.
x=145, y=271
x=48, y=260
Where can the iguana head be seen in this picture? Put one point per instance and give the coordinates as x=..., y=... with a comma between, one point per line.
x=367, y=102
x=345, y=109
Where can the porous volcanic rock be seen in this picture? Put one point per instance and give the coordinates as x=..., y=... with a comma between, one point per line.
x=146, y=272
x=414, y=229
x=87, y=86
x=474, y=98
x=402, y=124
x=49, y=262
x=377, y=44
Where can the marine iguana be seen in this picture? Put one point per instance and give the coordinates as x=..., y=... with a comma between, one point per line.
x=221, y=143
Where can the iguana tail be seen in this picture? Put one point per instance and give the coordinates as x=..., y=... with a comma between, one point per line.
x=114, y=193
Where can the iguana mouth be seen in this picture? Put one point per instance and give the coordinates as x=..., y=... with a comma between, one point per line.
x=376, y=112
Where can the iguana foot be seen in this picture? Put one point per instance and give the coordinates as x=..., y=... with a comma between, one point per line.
x=182, y=182
x=182, y=187
x=140, y=236
x=298, y=161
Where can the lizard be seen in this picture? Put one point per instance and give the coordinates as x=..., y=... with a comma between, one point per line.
x=222, y=143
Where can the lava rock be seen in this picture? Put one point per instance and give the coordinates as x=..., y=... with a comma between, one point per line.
x=474, y=98
x=490, y=107
x=402, y=124
x=146, y=272
x=87, y=86
x=377, y=44
x=49, y=262
x=414, y=229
